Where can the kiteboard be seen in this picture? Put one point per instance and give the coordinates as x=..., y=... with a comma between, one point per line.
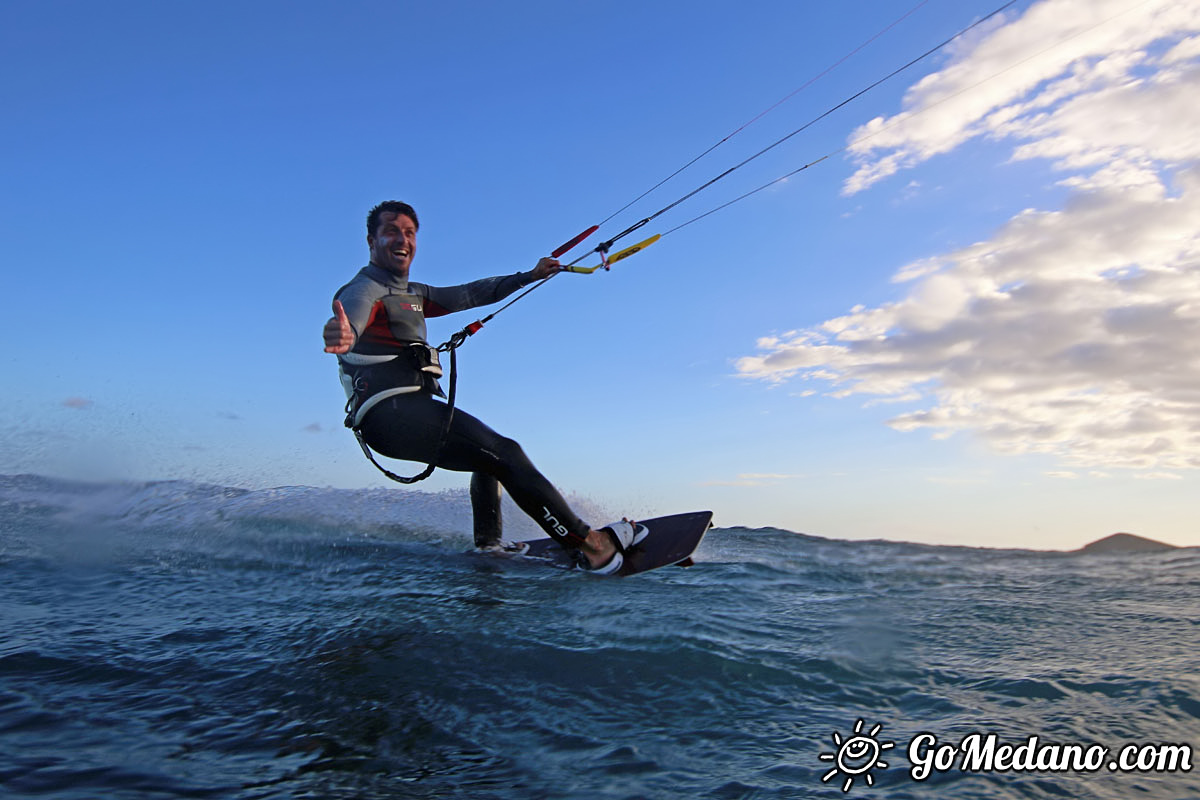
x=672, y=540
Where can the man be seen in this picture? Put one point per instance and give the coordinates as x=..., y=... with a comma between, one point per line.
x=390, y=375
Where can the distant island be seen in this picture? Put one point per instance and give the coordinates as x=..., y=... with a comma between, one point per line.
x=1125, y=543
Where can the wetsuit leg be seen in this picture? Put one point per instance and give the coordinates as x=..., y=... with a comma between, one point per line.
x=485, y=508
x=407, y=427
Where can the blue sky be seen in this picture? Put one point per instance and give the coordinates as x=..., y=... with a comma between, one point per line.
x=974, y=324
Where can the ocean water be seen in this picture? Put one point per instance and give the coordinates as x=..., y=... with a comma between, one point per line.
x=174, y=639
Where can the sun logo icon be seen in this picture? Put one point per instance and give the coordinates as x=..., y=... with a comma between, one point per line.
x=856, y=756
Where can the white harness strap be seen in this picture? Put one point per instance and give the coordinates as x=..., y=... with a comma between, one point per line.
x=375, y=399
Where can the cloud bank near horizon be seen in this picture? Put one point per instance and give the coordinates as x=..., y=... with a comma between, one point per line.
x=1072, y=332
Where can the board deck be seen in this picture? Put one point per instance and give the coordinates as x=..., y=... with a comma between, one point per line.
x=672, y=540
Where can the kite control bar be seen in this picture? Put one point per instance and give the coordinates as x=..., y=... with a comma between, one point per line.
x=607, y=261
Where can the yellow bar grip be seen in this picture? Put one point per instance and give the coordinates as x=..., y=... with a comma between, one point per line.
x=617, y=256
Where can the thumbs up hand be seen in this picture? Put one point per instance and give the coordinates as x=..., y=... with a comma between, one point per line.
x=339, y=336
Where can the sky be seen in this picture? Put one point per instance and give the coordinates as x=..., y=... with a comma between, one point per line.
x=974, y=320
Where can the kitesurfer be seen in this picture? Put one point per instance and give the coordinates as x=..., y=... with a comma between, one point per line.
x=390, y=375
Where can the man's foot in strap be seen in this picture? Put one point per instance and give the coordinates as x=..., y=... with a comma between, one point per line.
x=603, y=551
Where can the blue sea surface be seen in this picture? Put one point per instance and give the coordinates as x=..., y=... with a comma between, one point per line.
x=175, y=639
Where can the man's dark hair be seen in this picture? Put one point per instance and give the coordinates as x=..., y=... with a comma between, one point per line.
x=396, y=207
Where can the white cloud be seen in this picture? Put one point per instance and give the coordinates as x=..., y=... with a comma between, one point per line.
x=1006, y=81
x=1071, y=332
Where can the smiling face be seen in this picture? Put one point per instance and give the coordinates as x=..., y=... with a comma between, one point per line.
x=858, y=755
x=394, y=243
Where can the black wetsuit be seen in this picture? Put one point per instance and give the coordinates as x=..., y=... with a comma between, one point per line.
x=392, y=377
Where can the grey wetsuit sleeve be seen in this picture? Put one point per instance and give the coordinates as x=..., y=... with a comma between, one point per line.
x=358, y=298
x=477, y=293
